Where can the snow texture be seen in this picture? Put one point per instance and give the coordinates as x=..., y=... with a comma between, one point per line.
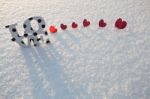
x=83, y=63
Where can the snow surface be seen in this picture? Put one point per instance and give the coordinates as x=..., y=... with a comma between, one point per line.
x=87, y=63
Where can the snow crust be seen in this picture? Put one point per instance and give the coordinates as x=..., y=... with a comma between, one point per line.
x=86, y=63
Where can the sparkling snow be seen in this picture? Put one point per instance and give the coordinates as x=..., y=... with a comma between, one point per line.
x=83, y=63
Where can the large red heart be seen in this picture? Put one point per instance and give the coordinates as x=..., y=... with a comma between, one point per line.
x=74, y=25
x=120, y=24
x=63, y=26
x=102, y=23
x=52, y=29
x=86, y=23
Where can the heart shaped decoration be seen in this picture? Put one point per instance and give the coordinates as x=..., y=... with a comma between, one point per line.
x=86, y=23
x=74, y=25
x=52, y=29
x=30, y=32
x=63, y=26
x=120, y=24
x=102, y=23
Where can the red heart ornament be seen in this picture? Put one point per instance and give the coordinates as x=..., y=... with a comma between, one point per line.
x=63, y=26
x=74, y=25
x=52, y=29
x=102, y=23
x=120, y=24
x=86, y=23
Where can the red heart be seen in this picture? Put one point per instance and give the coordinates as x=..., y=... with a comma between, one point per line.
x=102, y=23
x=63, y=26
x=120, y=24
x=86, y=23
x=74, y=25
x=52, y=29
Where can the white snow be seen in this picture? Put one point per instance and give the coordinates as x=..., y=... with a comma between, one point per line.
x=86, y=63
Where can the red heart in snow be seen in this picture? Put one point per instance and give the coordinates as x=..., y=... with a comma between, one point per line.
x=74, y=25
x=120, y=24
x=86, y=23
x=63, y=26
x=52, y=29
x=102, y=23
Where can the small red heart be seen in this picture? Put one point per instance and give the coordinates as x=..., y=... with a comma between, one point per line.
x=86, y=23
x=102, y=23
x=120, y=24
x=52, y=29
x=74, y=25
x=63, y=26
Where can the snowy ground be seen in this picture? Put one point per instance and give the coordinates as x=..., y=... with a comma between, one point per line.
x=87, y=63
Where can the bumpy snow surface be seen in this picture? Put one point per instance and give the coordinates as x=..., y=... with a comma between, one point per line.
x=83, y=63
